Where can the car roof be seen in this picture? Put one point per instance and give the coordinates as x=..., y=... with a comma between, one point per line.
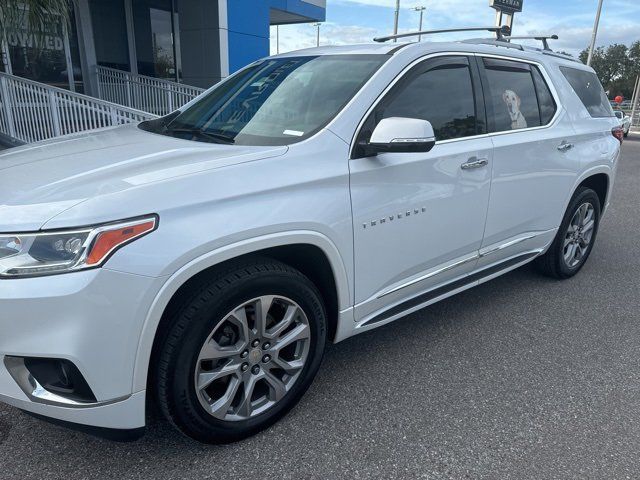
x=481, y=46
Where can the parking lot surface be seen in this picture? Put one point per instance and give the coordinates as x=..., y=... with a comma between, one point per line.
x=522, y=377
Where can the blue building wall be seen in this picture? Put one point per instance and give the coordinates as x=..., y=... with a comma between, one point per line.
x=248, y=26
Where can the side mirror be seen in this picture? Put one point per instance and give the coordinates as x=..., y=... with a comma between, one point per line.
x=400, y=135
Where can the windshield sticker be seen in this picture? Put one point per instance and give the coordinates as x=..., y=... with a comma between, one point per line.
x=295, y=133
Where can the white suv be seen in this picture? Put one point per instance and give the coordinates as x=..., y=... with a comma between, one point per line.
x=204, y=259
x=625, y=121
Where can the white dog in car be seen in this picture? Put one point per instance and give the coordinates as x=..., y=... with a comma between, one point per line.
x=513, y=102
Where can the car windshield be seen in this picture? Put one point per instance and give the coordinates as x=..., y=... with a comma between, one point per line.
x=277, y=101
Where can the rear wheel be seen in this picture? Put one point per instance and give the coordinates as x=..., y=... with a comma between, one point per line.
x=241, y=352
x=575, y=238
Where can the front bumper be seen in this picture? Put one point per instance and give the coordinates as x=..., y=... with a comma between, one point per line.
x=93, y=319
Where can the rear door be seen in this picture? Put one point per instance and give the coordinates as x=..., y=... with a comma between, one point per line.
x=534, y=166
x=419, y=217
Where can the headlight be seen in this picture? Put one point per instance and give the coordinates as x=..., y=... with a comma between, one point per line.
x=48, y=253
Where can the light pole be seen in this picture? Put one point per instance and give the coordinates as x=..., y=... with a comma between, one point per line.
x=317, y=25
x=635, y=101
x=277, y=39
x=420, y=9
x=396, y=15
x=595, y=33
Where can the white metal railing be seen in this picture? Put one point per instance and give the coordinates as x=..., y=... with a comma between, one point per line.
x=149, y=94
x=32, y=111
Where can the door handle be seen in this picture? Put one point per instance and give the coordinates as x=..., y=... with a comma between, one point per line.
x=474, y=162
x=564, y=146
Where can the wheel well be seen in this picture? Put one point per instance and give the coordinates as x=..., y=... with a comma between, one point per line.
x=600, y=184
x=308, y=259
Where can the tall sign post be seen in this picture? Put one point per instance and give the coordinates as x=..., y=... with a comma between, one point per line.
x=594, y=34
x=505, y=9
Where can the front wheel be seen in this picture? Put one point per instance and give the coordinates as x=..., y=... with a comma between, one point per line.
x=575, y=238
x=241, y=352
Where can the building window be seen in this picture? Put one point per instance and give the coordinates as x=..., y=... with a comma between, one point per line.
x=109, y=24
x=153, y=27
x=39, y=54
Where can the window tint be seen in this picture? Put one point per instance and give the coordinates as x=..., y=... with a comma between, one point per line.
x=443, y=95
x=512, y=102
x=545, y=100
x=588, y=88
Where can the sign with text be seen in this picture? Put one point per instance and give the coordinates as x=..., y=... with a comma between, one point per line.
x=509, y=6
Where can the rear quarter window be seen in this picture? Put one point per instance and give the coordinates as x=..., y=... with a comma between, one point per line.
x=589, y=90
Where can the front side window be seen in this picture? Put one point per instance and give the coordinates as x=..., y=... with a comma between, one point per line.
x=277, y=101
x=440, y=91
x=512, y=101
x=589, y=90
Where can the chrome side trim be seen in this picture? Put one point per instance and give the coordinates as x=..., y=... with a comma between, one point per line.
x=433, y=295
x=433, y=273
x=507, y=245
x=523, y=238
x=38, y=394
x=481, y=254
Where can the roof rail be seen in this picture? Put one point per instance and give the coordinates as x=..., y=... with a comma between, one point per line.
x=542, y=38
x=563, y=56
x=501, y=32
x=494, y=42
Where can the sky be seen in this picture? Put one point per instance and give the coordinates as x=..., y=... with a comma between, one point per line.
x=358, y=21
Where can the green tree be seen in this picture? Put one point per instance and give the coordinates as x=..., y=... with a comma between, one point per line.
x=617, y=67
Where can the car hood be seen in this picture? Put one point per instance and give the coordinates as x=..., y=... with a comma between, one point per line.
x=40, y=181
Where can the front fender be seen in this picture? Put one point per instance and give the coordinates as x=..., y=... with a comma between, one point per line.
x=215, y=257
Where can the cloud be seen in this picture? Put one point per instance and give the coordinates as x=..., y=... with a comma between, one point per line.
x=295, y=37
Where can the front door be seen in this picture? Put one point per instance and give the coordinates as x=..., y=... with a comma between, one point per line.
x=419, y=217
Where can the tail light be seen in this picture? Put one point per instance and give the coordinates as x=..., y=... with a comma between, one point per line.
x=618, y=132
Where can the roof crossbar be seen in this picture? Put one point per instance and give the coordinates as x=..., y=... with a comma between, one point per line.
x=543, y=39
x=501, y=32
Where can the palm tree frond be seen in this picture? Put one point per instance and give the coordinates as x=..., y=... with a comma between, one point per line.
x=37, y=14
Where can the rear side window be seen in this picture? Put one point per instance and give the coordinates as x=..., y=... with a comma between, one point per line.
x=588, y=88
x=511, y=96
x=439, y=91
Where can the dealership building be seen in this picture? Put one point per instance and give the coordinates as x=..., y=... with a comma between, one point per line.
x=196, y=42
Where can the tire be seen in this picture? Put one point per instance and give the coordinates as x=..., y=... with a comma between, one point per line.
x=206, y=326
x=554, y=262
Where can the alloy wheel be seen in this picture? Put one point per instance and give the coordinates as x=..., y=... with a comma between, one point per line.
x=252, y=358
x=579, y=235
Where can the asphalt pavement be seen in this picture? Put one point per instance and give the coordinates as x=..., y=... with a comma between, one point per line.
x=523, y=377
